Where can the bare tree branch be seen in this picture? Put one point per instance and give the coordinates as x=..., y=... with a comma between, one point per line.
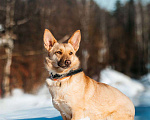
x=64, y=39
x=20, y=22
x=25, y=20
x=26, y=53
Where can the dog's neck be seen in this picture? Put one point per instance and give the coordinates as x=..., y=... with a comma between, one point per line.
x=60, y=76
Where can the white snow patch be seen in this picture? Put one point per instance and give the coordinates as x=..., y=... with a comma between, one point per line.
x=125, y=84
x=145, y=97
x=146, y=80
x=20, y=100
x=36, y=113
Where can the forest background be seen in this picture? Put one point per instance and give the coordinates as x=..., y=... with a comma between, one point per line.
x=119, y=39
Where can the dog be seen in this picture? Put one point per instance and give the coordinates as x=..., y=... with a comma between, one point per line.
x=75, y=95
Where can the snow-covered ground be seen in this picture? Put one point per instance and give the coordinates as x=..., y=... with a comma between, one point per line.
x=146, y=94
x=19, y=100
x=39, y=106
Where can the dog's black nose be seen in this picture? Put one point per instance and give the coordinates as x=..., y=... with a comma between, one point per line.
x=67, y=62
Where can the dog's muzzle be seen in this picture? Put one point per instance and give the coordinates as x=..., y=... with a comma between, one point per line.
x=64, y=64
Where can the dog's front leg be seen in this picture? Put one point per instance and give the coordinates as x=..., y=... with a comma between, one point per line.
x=63, y=116
x=77, y=115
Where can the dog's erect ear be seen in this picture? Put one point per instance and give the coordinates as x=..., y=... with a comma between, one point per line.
x=49, y=39
x=75, y=40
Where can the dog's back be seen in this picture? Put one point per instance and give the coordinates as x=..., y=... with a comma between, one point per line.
x=108, y=103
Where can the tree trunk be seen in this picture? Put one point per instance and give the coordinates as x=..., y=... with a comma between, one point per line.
x=6, y=80
x=8, y=37
x=103, y=50
x=84, y=12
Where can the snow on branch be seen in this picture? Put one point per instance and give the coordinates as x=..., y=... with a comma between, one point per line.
x=7, y=42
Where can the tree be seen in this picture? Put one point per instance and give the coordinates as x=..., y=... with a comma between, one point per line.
x=7, y=40
x=84, y=13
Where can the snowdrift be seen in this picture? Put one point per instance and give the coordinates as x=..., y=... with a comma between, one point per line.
x=21, y=101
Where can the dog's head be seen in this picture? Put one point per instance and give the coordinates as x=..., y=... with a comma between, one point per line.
x=61, y=56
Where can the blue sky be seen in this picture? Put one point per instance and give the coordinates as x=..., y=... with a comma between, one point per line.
x=110, y=4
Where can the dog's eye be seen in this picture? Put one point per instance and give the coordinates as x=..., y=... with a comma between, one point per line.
x=59, y=52
x=70, y=53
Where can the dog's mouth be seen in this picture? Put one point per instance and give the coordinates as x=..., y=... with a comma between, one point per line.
x=64, y=67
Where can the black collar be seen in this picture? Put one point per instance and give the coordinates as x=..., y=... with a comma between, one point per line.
x=58, y=76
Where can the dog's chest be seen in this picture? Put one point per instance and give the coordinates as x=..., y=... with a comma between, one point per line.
x=60, y=99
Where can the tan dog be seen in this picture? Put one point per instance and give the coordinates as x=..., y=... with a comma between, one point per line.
x=76, y=95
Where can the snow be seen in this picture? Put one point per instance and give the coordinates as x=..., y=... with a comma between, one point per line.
x=1, y=28
x=39, y=106
x=146, y=94
x=20, y=101
x=146, y=80
x=41, y=113
x=26, y=106
x=131, y=88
